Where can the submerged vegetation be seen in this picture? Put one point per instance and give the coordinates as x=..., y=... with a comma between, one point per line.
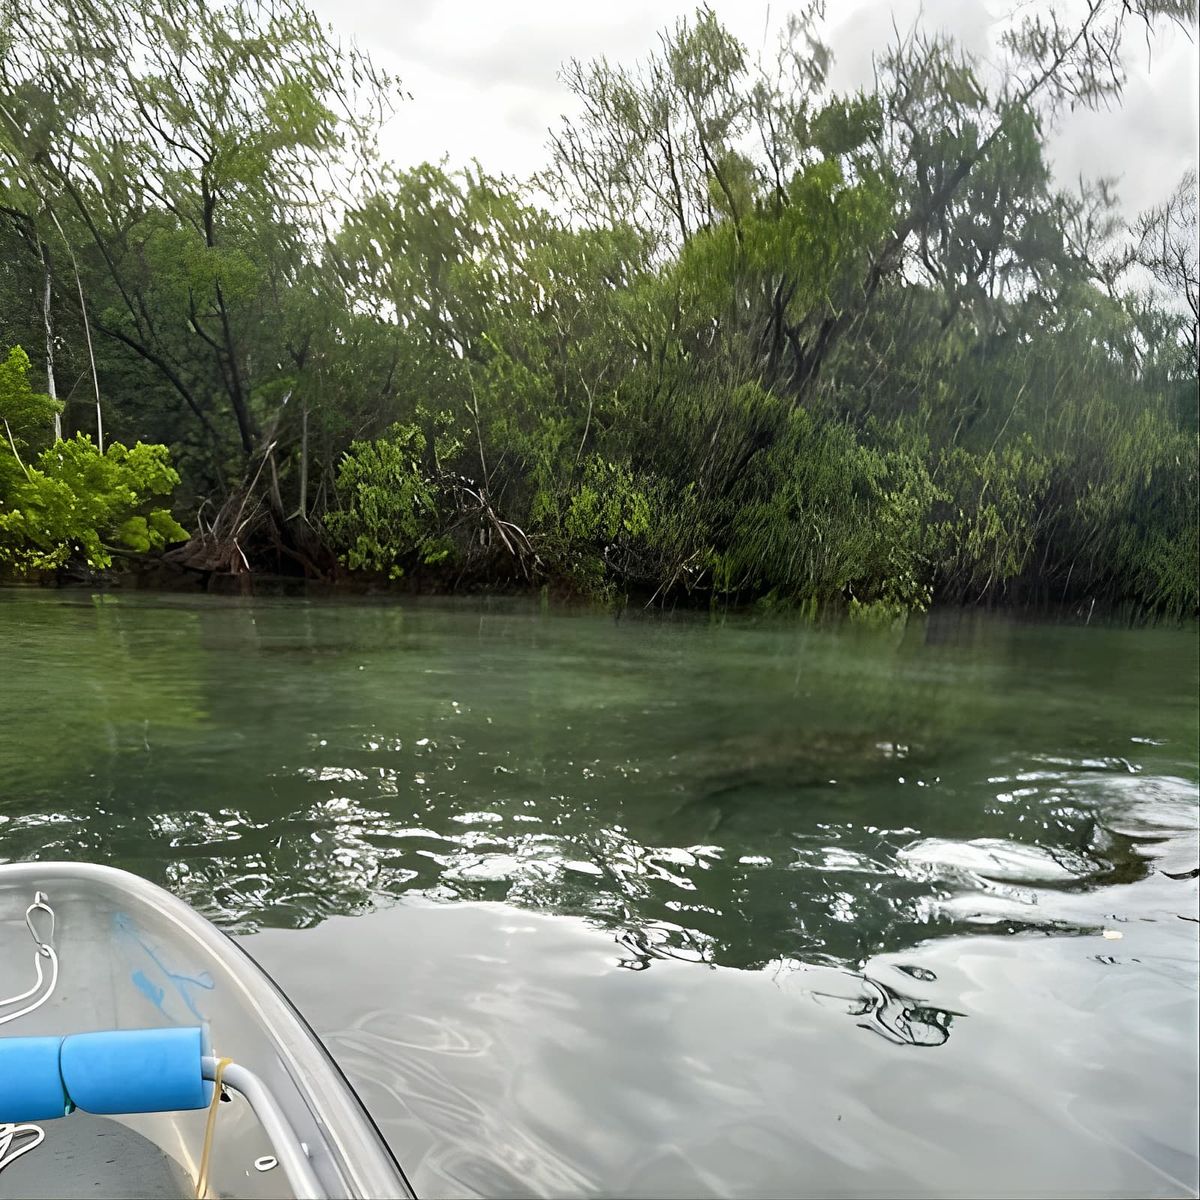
x=743, y=339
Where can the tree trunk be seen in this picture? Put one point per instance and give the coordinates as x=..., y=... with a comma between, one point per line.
x=304, y=461
x=51, y=389
x=87, y=333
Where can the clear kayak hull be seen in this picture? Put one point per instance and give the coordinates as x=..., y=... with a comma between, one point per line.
x=129, y=955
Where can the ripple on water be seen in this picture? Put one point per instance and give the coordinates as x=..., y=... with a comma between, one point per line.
x=771, y=873
x=994, y=859
x=535, y=1071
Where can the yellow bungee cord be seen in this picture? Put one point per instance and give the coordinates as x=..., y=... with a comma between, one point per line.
x=210, y=1125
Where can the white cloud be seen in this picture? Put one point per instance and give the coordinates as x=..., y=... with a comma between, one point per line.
x=484, y=75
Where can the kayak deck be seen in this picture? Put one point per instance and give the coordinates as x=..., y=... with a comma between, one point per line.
x=131, y=956
x=90, y=1156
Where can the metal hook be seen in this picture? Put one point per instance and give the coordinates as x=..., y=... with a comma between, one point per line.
x=44, y=950
x=40, y=905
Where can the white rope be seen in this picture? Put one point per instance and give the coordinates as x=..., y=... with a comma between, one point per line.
x=43, y=949
x=39, y=954
x=10, y=1132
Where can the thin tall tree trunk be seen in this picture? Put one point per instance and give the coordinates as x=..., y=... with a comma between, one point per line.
x=51, y=389
x=87, y=333
x=304, y=461
x=237, y=394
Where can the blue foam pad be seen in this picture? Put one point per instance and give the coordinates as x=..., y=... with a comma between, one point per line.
x=135, y=1070
x=31, y=1086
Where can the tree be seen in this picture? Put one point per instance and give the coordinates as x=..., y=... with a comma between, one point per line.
x=1165, y=246
x=71, y=499
x=744, y=339
x=193, y=154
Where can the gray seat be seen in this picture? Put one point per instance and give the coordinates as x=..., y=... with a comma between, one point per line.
x=86, y=1155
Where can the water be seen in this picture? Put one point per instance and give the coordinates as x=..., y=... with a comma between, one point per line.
x=664, y=907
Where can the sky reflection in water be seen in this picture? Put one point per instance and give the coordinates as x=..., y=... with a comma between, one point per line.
x=853, y=822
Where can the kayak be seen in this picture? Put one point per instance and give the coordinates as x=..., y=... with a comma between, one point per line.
x=143, y=1053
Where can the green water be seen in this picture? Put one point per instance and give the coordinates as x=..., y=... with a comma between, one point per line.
x=664, y=907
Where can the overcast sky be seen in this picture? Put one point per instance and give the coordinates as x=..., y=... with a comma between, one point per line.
x=483, y=74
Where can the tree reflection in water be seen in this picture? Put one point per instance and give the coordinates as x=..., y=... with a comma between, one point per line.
x=734, y=797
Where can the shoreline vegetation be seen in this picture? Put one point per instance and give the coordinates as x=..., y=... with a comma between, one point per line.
x=743, y=342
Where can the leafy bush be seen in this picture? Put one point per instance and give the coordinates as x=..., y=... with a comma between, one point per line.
x=74, y=501
x=389, y=512
x=70, y=500
x=989, y=508
x=22, y=410
x=823, y=513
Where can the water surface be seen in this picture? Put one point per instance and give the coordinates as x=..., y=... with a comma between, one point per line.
x=590, y=905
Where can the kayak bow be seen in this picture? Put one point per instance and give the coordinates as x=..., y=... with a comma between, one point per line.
x=141, y=1017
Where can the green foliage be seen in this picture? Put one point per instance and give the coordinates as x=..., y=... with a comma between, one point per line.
x=990, y=504
x=74, y=501
x=822, y=513
x=389, y=507
x=877, y=614
x=69, y=500
x=606, y=505
x=25, y=413
x=744, y=341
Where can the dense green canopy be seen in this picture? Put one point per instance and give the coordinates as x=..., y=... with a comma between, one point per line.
x=743, y=339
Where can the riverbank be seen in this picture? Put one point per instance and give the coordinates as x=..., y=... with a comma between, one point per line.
x=155, y=575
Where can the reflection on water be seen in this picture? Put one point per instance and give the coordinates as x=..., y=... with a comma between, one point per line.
x=505, y=1054
x=729, y=795
x=819, y=810
x=886, y=1010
